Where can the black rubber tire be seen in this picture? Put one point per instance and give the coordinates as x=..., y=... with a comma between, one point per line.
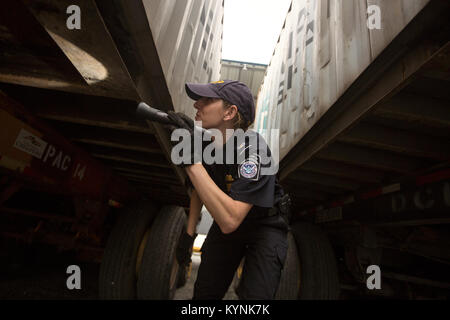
x=290, y=275
x=319, y=278
x=117, y=279
x=159, y=255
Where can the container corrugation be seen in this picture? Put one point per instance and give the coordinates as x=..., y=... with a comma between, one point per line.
x=322, y=49
x=188, y=38
x=252, y=74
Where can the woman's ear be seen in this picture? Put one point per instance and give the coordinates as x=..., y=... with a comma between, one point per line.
x=230, y=113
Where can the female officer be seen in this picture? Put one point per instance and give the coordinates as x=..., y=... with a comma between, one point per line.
x=240, y=197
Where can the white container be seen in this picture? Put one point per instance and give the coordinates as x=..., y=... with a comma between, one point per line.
x=188, y=38
x=323, y=47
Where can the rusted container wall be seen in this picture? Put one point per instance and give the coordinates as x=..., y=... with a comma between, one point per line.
x=323, y=47
x=188, y=37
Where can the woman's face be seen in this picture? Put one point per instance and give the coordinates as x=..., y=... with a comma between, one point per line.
x=210, y=112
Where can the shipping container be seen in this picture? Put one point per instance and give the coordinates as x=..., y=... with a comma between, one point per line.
x=362, y=113
x=323, y=47
x=188, y=36
x=78, y=169
x=358, y=92
x=251, y=74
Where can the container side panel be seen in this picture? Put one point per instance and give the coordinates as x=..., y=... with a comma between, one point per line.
x=188, y=38
x=323, y=48
x=394, y=16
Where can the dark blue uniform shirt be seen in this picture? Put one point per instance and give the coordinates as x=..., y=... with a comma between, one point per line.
x=245, y=178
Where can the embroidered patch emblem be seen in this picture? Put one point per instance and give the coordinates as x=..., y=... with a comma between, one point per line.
x=248, y=169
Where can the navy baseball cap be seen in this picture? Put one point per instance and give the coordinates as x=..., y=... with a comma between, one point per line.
x=232, y=91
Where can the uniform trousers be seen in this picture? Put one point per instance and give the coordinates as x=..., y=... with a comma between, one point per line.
x=263, y=243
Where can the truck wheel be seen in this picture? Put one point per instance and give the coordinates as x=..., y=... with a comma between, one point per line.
x=318, y=271
x=118, y=268
x=290, y=275
x=158, y=274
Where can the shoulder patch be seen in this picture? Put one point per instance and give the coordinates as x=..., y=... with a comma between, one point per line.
x=249, y=169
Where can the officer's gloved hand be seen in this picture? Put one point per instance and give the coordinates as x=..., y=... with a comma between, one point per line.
x=184, y=248
x=182, y=121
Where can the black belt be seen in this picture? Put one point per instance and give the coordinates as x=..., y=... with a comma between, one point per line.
x=269, y=213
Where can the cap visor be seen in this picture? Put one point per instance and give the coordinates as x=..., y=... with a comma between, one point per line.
x=196, y=91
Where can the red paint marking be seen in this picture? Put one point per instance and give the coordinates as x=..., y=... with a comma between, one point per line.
x=433, y=177
x=371, y=194
x=426, y=179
